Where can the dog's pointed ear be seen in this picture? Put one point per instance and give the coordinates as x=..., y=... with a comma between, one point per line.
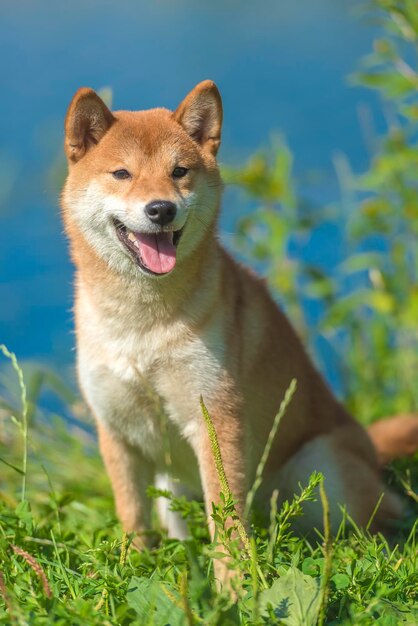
x=200, y=114
x=87, y=120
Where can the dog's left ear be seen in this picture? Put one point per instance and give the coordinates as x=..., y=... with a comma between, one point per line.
x=200, y=114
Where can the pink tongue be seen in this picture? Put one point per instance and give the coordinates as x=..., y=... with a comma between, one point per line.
x=158, y=253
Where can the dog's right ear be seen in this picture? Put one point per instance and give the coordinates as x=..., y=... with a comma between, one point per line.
x=87, y=120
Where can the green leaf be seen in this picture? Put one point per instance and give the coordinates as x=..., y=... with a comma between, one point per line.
x=361, y=262
x=295, y=599
x=155, y=602
x=24, y=513
x=310, y=566
x=341, y=581
x=16, y=469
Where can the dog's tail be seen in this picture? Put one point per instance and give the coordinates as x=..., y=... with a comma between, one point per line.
x=395, y=437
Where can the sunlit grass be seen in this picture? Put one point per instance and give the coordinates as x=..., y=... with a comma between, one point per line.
x=64, y=558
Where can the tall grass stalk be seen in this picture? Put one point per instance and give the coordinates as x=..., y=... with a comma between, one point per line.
x=220, y=470
x=327, y=548
x=264, y=457
x=22, y=424
x=250, y=548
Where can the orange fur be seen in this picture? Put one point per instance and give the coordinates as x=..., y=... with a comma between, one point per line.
x=395, y=437
x=150, y=345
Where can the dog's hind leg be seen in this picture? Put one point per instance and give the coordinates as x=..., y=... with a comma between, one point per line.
x=350, y=482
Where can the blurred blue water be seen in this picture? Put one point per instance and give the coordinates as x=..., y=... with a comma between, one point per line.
x=281, y=66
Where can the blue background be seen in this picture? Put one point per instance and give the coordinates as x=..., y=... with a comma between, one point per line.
x=281, y=67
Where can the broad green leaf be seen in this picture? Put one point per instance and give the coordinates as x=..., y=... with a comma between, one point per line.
x=295, y=599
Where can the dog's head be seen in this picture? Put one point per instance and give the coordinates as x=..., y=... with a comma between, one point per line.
x=143, y=187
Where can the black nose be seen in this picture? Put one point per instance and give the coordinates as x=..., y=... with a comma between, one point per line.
x=161, y=211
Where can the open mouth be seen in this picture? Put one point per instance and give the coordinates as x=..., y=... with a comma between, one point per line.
x=155, y=253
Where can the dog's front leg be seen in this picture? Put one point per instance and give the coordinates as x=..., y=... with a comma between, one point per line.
x=130, y=474
x=231, y=442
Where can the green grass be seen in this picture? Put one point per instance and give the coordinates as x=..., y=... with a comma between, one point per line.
x=65, y=560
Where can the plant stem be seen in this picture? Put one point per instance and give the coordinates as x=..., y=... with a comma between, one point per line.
x=23, y=424
x=264, y=457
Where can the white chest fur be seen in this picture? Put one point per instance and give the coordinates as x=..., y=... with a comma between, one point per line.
x=144, y=381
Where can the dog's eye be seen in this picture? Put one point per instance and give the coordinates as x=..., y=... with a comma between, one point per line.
x=121, y=174
x=179, y=172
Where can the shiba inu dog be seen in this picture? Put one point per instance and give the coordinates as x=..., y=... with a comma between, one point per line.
x=164, y=315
